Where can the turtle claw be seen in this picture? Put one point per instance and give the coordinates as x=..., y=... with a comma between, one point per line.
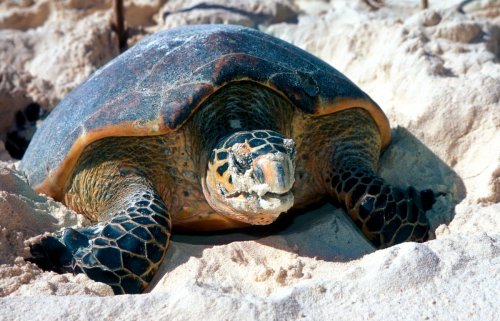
x=387, y=215
x=428, y=198
x=56, y=252
x=50, y=254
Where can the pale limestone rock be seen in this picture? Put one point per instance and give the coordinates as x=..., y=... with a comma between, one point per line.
x=141, y=13
x=251, y=14
x=24, y=17
x=46, y=62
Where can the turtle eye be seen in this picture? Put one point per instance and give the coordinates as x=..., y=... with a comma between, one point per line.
x=222, y=169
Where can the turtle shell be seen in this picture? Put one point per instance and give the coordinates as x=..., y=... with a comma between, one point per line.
x=154, y=87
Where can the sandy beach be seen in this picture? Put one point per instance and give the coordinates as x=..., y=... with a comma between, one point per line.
x=434, y=72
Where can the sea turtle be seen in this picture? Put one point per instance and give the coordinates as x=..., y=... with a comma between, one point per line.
x=203, y=128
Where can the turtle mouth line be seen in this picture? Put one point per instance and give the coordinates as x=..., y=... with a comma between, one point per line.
x=259, y=208
x=265, y=196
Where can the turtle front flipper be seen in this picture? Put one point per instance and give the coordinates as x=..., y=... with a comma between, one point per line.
x=386, y=214
x=123, y=252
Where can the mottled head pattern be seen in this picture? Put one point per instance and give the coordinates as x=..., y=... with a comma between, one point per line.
x=250, y=175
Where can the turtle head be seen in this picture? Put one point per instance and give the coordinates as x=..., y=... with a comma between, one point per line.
x=250, y=175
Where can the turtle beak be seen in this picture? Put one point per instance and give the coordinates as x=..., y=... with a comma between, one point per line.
x=275, y=171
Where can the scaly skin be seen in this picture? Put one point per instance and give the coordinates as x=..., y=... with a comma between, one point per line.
x=348, y=145
x=126, y=246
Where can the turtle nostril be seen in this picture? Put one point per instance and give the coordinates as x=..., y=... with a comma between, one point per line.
x=259, y=175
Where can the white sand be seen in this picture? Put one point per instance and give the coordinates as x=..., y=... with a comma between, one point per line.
x=435, y=73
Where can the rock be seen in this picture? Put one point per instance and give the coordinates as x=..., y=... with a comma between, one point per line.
x=71, y=51
x=426, y=18
x=430, y=18
x=482, y=8
x=458, y=31
x=48, y=48
x=24, y=17
x=141, y=13
x=250, y=14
